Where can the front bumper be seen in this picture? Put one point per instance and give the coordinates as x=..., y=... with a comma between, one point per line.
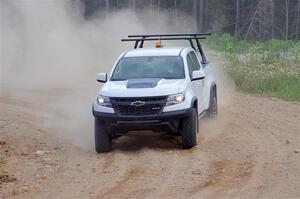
x=160, y=122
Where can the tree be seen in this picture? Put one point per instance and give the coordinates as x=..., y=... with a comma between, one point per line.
x=107, y=7
x=251, y=20
x=133, y=5
x=298, y=20
x=237, y=16
x=286, y=19
x=195, y=8
x=260, y=27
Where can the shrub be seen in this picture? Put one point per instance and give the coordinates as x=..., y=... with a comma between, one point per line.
x=270, y=68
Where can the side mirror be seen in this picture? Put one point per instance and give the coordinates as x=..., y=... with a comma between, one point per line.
x=102, y=77
x=198, y=75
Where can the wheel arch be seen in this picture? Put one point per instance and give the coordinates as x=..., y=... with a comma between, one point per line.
x=194, y=103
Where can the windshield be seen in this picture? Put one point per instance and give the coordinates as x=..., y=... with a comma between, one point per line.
x=149, y=67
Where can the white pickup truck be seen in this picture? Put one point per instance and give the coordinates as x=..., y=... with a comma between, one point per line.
x=160, y=89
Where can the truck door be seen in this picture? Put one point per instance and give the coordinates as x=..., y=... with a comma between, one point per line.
x=207, y=83
x=198, y=85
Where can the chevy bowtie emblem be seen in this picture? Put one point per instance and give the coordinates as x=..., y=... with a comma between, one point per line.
x=137, y=103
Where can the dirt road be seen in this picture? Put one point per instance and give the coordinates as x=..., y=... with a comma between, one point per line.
x=251, y=151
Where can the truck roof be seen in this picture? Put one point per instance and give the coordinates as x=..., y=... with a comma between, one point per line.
x=162, y=51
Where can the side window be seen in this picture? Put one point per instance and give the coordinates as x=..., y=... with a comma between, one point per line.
x=190, y=64
x=195, y=59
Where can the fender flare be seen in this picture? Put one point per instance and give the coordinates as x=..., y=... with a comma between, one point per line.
x=192, y=105
x=193, y=101
x=212, y=86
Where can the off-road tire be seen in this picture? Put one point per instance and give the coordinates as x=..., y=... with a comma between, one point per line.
x=102, y=138
x=115, y=136
x=189, y=130
x=212, y=111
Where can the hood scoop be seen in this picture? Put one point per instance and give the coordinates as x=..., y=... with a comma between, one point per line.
x=142, y=83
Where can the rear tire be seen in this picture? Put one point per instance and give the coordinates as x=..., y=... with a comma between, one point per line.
x=189, y=130
x=212, y=111
x=102, y=138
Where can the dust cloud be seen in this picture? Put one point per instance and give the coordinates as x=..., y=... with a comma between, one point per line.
x=226, y=88
x=50, y=55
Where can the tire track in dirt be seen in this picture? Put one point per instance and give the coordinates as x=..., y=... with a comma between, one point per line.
x=247, y=152
x=147, y=164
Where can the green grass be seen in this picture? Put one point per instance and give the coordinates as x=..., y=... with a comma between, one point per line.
x=269, y=68
x=283, y=87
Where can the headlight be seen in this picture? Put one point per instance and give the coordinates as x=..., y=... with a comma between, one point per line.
x=175, y=99
x=103, y=101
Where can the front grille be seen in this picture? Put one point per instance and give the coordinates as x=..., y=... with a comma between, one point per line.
x=143, y=105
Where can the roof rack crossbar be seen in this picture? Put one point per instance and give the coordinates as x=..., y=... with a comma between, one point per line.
x=162, y=38
x=140, y=39
x=171, y=35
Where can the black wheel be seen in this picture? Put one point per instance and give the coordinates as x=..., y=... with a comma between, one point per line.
x=189, y=130
x=115, y=136
x=102, y=138
x=212, y=111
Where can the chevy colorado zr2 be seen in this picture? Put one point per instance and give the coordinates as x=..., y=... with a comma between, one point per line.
x=157, y=88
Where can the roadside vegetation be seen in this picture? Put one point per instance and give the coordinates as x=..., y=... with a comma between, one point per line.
x=270, y=68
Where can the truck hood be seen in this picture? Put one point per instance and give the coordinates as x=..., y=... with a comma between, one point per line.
x=141, y=87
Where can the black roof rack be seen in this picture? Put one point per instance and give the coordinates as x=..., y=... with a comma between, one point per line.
x=158, y=37
x=172, y=35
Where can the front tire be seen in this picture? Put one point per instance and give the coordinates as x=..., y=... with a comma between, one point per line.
x=189, y=130
x=102, y=138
